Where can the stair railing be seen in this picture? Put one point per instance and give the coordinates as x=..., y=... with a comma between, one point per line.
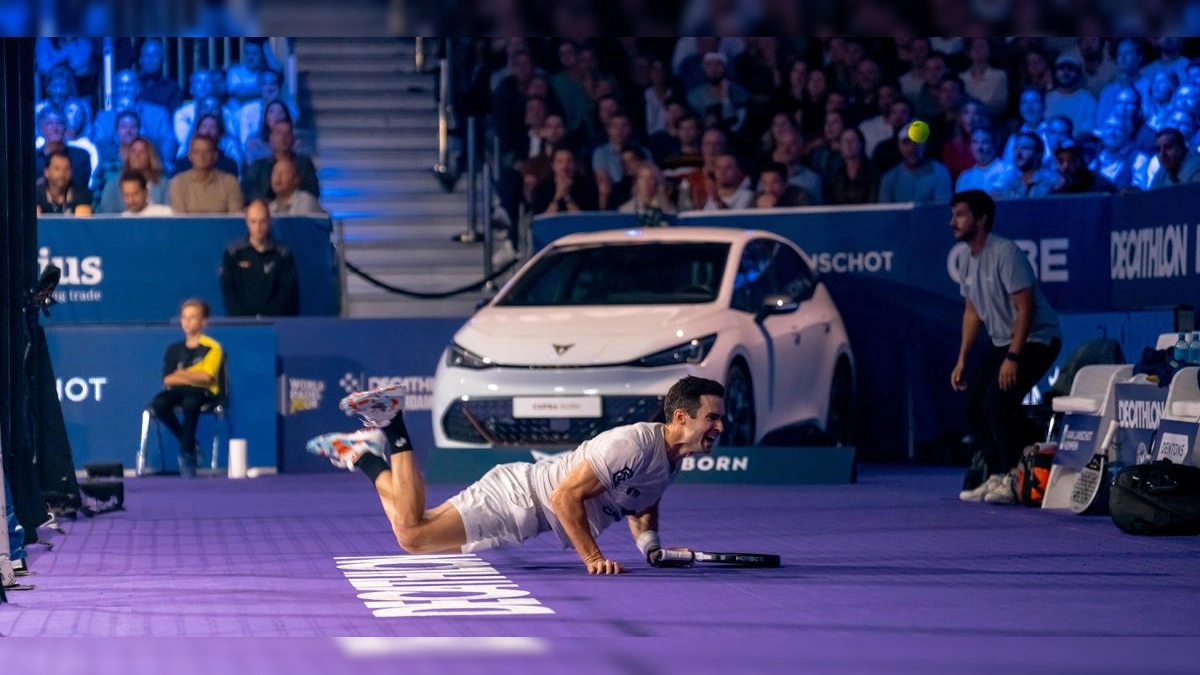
x=443, y=169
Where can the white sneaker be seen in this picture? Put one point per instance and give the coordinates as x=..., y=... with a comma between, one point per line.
x=376, y=407
x=1001, y=493
x=343, y=450
x=977, y=494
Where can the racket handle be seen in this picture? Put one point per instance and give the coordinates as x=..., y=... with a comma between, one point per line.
x=1109, y=435
x=674, y=558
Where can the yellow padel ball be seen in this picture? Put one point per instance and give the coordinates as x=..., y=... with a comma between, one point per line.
x=918, y=131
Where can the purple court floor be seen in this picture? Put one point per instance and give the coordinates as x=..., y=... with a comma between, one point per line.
x=895, y=555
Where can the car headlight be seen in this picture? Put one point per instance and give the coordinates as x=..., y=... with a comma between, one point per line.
x=460, y=357
x=692, y=351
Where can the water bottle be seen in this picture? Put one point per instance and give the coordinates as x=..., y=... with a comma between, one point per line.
x=1180, y=354
x=1194, y=349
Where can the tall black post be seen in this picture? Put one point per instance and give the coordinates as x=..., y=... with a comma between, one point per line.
x=18, y=271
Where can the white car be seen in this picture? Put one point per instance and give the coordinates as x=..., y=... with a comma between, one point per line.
x=594, y=329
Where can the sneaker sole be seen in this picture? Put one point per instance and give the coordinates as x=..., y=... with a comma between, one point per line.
x=332, y=447
x=383, y=401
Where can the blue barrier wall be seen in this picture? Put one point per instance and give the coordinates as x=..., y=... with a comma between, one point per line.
x=107, y=375
x=130, y=270
x=889, y=270
x=1092, y=253
x=1155, y=254
x=324, y=359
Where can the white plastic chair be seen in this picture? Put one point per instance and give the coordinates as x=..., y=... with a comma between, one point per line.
x=1183, y=396
x=1092, y=390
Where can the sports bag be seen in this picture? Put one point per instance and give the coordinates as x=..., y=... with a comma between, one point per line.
x=1033, y=473
x=1158, y=498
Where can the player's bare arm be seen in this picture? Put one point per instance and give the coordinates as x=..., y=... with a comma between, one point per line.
x=644, y=528
x=567, y=501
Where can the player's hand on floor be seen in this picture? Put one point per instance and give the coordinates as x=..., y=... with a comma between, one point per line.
x=602, y=565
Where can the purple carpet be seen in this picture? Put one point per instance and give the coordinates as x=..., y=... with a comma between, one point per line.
x=896, y=555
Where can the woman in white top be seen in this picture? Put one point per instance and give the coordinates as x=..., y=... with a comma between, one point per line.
x=983, y=82
x=650, y=201
x=657, y=94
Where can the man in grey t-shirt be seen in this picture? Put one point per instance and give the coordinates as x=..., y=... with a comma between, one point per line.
x=1002, y=297
x=620, y=474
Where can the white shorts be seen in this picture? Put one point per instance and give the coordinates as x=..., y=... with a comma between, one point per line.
x=500, y=509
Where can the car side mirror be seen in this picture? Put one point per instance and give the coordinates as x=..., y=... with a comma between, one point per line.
x=776, y=304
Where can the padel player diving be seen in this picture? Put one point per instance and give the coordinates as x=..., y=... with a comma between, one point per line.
x=621, y=473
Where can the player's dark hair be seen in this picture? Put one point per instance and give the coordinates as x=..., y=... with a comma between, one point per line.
x=980, y=203
x=685, y=395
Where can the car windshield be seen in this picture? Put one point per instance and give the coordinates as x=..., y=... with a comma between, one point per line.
x=635, y=273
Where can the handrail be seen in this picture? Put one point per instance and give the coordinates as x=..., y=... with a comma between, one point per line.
x=442, y=169
x=108, y=73
x=218, y=53
x=339, y=247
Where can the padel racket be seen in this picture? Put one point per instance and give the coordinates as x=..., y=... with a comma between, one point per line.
x=687, y=558
x=1090, y=494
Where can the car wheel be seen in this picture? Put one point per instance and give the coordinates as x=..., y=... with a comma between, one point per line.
x=739, y=407
x=839, y=422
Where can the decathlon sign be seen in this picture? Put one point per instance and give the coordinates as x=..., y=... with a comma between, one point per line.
x=1154, y=249
x=458, y=584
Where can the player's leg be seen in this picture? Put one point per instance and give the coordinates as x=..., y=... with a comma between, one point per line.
x=417, y=530
x=398, y=481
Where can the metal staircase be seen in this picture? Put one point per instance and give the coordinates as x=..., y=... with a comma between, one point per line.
x=374, y=121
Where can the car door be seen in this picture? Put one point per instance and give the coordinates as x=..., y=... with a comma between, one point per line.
x=801, y=370
x=756, y=281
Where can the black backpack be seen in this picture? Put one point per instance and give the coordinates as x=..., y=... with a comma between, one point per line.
x=1158, y=498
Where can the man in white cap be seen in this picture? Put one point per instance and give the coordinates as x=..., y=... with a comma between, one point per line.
x=718, y=90
x=1069, y=98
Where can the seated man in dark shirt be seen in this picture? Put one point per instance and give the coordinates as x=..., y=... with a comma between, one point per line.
x=1073, y=172
x=258, y=274
x=191, y=370
x=256, y=183
x=56, y=191
x=566, y=189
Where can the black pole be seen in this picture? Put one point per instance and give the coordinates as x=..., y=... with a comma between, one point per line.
x=18, y=271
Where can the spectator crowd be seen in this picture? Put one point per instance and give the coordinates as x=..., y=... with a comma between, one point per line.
x=156, y=151
x=659, y=126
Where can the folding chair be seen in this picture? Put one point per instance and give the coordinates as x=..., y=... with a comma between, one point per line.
x=218, y=407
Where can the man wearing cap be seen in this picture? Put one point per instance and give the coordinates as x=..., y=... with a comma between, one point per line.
x=1069, y=98
x=719, y=90
x=917, y=178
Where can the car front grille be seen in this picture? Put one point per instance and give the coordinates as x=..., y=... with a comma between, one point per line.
x=490, y=421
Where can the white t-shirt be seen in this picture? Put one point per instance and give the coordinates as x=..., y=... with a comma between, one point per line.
x=151, y=210
x=630, y=461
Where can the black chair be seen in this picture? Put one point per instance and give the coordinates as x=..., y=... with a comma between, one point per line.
x=218, y=407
